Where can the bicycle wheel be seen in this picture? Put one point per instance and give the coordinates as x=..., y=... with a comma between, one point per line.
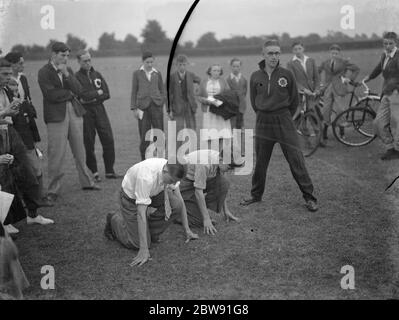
x=371, y=103
x=309, y=130
x=349, y=127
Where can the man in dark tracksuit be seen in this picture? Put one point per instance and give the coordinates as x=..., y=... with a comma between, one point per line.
x=274, y=98
x=95, y=92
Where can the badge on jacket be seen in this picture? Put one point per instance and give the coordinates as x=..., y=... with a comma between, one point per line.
x=282, y=82
x=97, y=83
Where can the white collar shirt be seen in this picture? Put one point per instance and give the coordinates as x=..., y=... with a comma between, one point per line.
x=148, y=73
x=302, y=62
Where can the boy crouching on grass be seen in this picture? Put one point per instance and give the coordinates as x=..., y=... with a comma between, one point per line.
x=150, y=201
x=204, y=188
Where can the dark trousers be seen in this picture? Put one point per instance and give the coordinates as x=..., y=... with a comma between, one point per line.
x=237, y=122
x=124, y=223
x=215, y=196
x=152, y=119
x=279, y=128
x=96, y=120
x=184, y=120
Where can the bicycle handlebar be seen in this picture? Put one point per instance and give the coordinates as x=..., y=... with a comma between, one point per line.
x=359, y=84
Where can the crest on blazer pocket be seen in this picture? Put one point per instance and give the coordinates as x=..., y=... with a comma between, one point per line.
x=282, y=82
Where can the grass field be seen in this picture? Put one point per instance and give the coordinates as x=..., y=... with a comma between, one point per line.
x=278, y=250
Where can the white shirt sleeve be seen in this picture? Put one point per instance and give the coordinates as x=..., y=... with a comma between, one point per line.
x=143, y=190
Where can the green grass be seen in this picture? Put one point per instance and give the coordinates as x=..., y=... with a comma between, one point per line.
x=277, y=251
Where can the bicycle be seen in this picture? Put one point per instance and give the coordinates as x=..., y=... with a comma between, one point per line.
x=354, y=126
x=308, y=124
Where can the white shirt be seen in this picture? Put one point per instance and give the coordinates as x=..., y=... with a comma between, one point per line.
x=213, y=87
x=234, y=77
x=303, y=63
x=58, y=73
x=202, y=165
x=144, y=180
x=148, y=73
x=21, y=90
x=204, y=156
x=4, y=102
x=389, y=56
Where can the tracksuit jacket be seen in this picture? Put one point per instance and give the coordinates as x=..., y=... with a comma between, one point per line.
x=273, y=94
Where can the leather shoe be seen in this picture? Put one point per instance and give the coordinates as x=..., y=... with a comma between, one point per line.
x=45, y=202
x=52, y=198
x=390, y=155
x=93, y=187
x=247, y=202
x=108, y=228
x=113, y=176
x=312, y=206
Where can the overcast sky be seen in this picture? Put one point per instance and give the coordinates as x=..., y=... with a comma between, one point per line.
x=88, y=19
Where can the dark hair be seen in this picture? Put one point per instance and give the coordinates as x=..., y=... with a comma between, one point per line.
x=2, y=231
x=59, y=47
x=335, y=47
x=234, y=60
x=81, y=53
x=181, y=58
x=176, y=170
x=271, y=42
x=208, y=71
x=5, y=63
x=390, y=87
x=147, y=55
x=13, y=57
x=390, y=35
x=297, y=43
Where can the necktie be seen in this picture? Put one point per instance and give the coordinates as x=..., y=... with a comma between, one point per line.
x=168, y=209
x=386, y=61
x=332, y=65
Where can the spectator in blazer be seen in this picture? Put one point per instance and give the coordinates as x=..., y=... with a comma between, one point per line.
x=338, y=72
x=239, y=84
x=63, y=118
x=147, y=100
x=25, y=124
x=183, y=105
x=95, y=92
x=16, y=176
x=304, y=70
x=388, y=66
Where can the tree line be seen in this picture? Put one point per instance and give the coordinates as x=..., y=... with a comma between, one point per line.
x=156, y=40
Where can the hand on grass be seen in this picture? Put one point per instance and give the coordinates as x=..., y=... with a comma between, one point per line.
x=209, y=228
x=142, y=257
x=191, y=236
x=230, y=217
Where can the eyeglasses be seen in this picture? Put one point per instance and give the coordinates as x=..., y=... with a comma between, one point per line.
x=87, y=60
x=388, y=43
x=275, y=53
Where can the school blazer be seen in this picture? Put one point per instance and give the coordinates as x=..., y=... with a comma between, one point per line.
x=241, y=88
x=176, y=100
x=333, y=76
x=305, y=80
x=391, y=71
x=144, y=92
x=55, y=93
